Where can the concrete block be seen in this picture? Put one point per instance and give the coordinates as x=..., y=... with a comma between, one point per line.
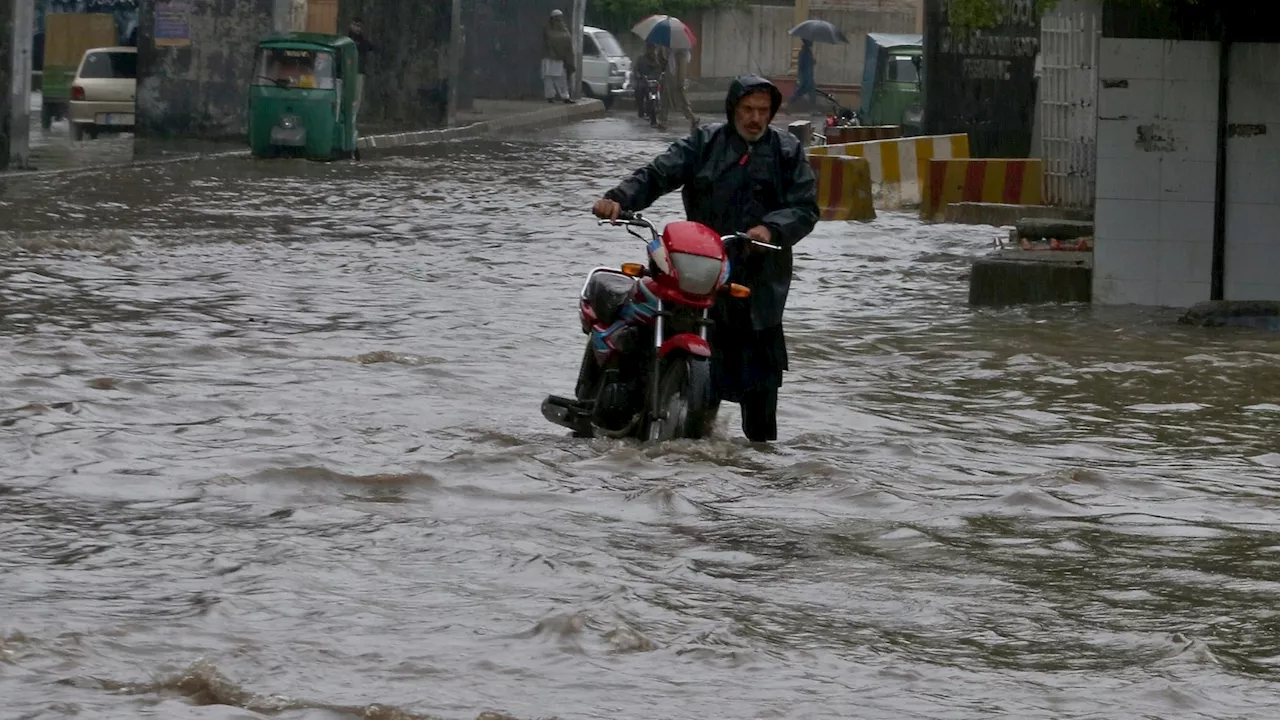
x=1245, y=313
x=1014, y=181
x=844, y=187
x=1001, y=214
x=1019, y=277
x=802, y=130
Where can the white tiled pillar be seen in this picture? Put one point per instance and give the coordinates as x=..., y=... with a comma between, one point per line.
x=1157, y=131
x=1253, y=174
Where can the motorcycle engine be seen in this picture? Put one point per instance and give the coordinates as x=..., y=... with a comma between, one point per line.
x=615, y=406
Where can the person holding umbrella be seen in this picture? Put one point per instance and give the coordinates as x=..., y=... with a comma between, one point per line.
x=678, y=40
x=809, y=32
x=805, y=83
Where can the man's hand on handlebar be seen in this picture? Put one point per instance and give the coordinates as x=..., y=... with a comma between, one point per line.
x=606, y=209
x=760, y=234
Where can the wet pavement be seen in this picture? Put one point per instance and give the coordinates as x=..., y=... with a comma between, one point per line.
x=53, y=149
x=272, y=448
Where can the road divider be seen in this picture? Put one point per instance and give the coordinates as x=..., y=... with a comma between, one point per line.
x=899, y=165
x=1010, y=181
x=844, y=187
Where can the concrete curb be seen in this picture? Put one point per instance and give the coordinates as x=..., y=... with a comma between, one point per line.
x=1001, y=214
x=558, y=115
x=1028, y=277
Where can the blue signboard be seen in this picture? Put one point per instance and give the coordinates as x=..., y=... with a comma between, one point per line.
x=173, y=23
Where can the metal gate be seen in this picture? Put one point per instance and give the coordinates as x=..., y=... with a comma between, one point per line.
x=1069, y=96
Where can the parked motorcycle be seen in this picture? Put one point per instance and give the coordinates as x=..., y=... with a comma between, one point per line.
x=840, y=116
x=646, y=371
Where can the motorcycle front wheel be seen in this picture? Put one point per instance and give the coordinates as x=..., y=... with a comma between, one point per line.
x=686, y=400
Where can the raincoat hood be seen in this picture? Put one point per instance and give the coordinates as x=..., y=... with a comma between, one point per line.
x=745, y=85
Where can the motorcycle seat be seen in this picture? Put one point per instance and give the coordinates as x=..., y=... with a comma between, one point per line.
x=607, y=293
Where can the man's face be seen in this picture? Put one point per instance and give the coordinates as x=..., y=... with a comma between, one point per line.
x=751, y=117
x=356, y=26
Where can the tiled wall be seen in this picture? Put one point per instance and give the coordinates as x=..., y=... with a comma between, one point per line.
x=1157, y=134
x=1253, y=174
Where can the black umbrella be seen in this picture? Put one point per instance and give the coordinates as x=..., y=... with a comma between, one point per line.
x=819, y=31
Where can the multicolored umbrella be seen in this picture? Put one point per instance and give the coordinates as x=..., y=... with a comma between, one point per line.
x=666, y=31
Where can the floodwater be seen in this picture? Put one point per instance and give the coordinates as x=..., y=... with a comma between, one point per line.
x=270, y=446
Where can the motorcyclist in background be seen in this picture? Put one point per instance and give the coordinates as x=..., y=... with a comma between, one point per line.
x=651, y=65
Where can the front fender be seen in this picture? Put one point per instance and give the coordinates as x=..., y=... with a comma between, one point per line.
x=688, y=342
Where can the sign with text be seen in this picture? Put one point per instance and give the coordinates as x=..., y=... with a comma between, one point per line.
x=173, y=23
x=982, y=81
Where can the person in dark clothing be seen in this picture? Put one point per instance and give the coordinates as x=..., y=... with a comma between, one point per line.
x=742, y=176
x=805, y=84
x=355, y=31
x=649, y=65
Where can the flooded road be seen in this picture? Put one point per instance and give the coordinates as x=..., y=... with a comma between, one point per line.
x=270, y=446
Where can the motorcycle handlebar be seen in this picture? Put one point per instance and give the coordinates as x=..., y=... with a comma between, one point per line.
x=747, y=238
x=627, y=217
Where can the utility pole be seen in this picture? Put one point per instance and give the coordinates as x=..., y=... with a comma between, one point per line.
x=24, y=22
x=579, y=20
x=457, y=50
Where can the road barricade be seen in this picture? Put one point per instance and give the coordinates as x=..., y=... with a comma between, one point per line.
x=898, y=166
x=861, y=133
x=1009, y=181
x=844, y=187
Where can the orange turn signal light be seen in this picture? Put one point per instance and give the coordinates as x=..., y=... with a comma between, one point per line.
x=739, y=291
x=632, y=269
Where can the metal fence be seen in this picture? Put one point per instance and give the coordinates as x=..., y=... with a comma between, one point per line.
x=1069, y=39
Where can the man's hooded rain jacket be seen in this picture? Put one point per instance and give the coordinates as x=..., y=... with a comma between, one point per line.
x=731, y=186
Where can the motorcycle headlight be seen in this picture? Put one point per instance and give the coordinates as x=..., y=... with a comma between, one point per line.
x=697, y=274
x=289, y=122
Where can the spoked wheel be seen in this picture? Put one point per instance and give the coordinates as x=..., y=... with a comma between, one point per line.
x=685, y=400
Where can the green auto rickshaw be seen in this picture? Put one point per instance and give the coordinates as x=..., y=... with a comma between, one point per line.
x=304, y=97
x=891, y=92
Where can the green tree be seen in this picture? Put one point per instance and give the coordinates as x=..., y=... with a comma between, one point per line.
x=619, y=15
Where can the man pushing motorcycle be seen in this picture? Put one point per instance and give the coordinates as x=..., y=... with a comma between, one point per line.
x=742, y=176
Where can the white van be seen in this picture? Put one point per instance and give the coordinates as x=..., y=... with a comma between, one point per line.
x=606, y=69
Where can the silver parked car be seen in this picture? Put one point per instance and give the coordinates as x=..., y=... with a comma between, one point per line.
x=103, y=92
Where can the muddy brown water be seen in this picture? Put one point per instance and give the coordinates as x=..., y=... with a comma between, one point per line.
x=270, y=446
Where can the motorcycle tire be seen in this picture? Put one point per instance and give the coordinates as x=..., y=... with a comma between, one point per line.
x=686, y=399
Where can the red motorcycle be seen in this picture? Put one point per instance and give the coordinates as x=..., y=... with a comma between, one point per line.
x=646, y=372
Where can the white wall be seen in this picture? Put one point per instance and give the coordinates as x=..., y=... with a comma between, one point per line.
x=755, y=39
x=1157, y=137
x=1253, y=175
